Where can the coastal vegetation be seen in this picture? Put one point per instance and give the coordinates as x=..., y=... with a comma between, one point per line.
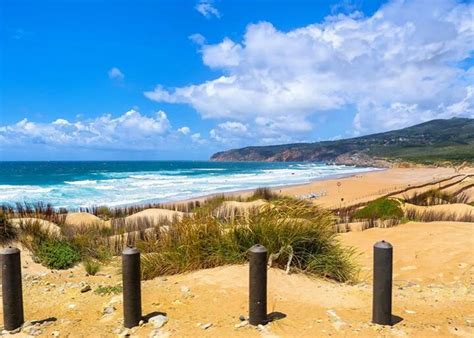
x=174, y=238
x=435, y=197
x=381, y=208
x=299, y=236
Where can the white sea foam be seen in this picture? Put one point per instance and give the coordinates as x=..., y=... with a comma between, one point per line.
x=116, y=189
x=83, y=182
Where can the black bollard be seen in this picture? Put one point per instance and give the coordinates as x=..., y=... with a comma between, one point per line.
x=382, y=293
x=131, y=277
x=258, y=285
x=12, y=293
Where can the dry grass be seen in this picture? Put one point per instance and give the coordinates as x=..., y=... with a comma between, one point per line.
x=435, y=197
x=433, y=216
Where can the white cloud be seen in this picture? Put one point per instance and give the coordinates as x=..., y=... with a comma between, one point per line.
x=229, y=132
x=206, y=8
x=196, y=138
x=115, y=74
x=131, y=130
x=233, y=127
x=197, y=38
x=402, y=65
x=184, y=130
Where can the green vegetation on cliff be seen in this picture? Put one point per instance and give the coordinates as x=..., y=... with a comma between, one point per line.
x=430, y=142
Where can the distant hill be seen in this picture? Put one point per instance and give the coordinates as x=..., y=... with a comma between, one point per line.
x=430, y=142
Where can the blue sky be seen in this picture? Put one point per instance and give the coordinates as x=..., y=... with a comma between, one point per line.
x=183, y=79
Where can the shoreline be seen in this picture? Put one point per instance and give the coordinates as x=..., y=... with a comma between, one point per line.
x=201, y=196
x=332, y=191
x=364, y=186
x=246, y=192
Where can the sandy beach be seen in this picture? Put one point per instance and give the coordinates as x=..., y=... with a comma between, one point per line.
x=363, y=187
x=368, y=186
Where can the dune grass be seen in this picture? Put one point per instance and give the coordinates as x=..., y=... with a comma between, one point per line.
x=91, y=266
x=436, y=197
x=7, y=232
x=440, y=216
x=297, y=235
x=263, y=193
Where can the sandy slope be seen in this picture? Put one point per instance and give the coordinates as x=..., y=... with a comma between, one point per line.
x=433, y=294
x=455, y=209
x=84, y=219
x=155, y=215
x=435, y=252
x=46, y=226
x=230, y=209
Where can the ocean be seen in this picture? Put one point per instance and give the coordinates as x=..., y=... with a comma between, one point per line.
x=115, y=183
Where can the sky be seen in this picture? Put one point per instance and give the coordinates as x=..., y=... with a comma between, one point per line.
x=176, y=80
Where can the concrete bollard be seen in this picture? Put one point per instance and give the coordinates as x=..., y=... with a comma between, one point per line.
x=131, y=277
x=258, y=285
x=12, y=293
x=382, y=292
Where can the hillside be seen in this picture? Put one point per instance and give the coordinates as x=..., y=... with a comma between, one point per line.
x=430, y=142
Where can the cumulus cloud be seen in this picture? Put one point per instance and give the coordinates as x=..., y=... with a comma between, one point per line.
x=229, y=132
x=207, y=9
x=131, y=130
x=184, y=130
x=115, y=74
x=403, y=65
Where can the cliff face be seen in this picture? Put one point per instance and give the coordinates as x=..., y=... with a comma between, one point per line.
x=431, y=142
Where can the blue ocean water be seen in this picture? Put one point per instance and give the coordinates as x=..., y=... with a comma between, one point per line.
x=114, y=183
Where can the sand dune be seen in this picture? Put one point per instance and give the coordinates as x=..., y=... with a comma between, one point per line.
x=456, y=209
x=155, y=216
x=45, y=226
x=432, y=252
x=470, y=192
x=84, y=219
x=232, y=209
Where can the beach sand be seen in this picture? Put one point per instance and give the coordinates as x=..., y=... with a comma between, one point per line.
x=368, y=186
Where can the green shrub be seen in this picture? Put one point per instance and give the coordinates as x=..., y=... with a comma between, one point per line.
x=91, y=266
x=103, y=290
x=382, y=208
x=90, y=241
x=57, y=254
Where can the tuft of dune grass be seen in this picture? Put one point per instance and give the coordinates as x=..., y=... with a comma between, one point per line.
x=297, y=235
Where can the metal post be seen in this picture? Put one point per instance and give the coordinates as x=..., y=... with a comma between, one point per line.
x=132, y=301
x=12, y=293
x=382, y=293
x=258, y=285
